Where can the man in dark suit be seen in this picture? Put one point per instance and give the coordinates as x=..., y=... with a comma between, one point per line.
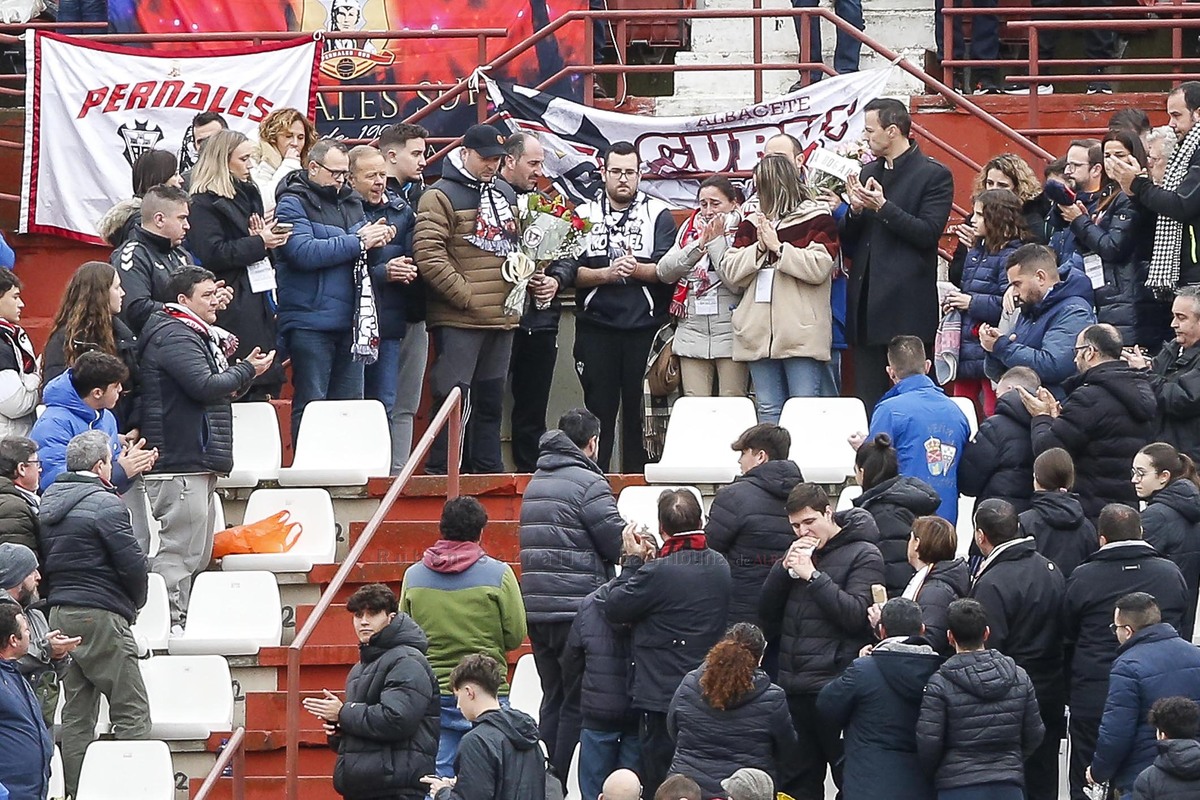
x=899, y=205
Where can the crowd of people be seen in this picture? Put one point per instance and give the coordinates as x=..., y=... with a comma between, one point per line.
x=779, y=641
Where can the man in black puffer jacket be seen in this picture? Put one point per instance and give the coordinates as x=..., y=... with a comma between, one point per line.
x=1022, y=592
x=1123, y=564
x=570, y=540
x=816, y=599
x=979, y=718
x=1175, y=375
x=1109, y=414
x=386, y=731
x=998, y=462
x=187, y=386
x=747, y=523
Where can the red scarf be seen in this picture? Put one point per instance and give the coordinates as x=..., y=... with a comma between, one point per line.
x=19, y=341
x=699, y=274
x=683, y=541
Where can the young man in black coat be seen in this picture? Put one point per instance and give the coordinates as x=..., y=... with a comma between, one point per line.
x=1123, y=564
x=816, y=599
x=153, y=254
x=747, y=523
x=899, y=205
x=979, y=718
x=1056, y=520
x=876, y=702
x=998, y=462
x=1175, y=773
x=386, y=731
x=676, y=598
x=1022, y=592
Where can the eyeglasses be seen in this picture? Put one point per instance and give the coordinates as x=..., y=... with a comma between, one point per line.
x=1138, y=473
x=338, y=174
x=623, y=174
x=1071, y=165
x=1079, y=347
x=1115, y=627
x=34, y=463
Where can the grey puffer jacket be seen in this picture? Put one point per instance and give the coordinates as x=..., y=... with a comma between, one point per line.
x=979, y=721
x=705, y=336
x=570, y=531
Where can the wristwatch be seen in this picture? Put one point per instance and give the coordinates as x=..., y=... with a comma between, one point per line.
x=815, y=574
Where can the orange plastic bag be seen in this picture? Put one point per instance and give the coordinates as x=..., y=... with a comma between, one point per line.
x=275, y=534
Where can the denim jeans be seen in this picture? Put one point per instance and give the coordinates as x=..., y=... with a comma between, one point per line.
x=777, y=379
x=322, y=369
x=380, y=382
x=83, y=11
x=454, y=728
x=846, y=52
x=603, y=752
x=831, y=379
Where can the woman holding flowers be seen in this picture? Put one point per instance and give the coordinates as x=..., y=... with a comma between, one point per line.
x=703, y=304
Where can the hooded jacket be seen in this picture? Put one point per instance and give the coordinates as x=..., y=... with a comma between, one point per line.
x=54, y=363
x=466, y=288
x=25, y=744
x=1108, y=416
x=66, y=416
x=754, y=730
x=90, y=557
x=499, y=759
x=1171, y=524
x=875, y=702
x=1152, y=664
x=597, y=661
x=929, y=432
x=985, y=279
x=186, y=409
x=315, y=268
x=570, y=531
x=119, y=221
x=946, y=582
x=146, y=261
x=998, y=462
x=466, y=602
x=1095, y=586
x=1045, y=334
x=1022, y=592
x=979, y=721
x=822, y=623
x=1174, y=775
x=748, y=525
x=1175, y=376
x=387, y=735
x=1063, y=534
x=894, y=504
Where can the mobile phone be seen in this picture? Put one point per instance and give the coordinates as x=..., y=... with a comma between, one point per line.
x=282, y=228
x=879, y=593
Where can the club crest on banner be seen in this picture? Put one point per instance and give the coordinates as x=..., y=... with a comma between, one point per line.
x=347, y=59
x=140, y=139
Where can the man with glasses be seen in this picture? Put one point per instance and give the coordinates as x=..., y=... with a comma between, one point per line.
x=1109, y=414
x=1152, y=662
x=620, y=302
x=320, y=289
x=19, y=471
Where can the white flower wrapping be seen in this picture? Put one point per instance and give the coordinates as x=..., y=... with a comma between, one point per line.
x=544, y=238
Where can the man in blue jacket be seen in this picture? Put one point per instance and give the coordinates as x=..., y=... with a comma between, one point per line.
x=1152, y=662
x=928, y=429
x=319, y=293
x=1054, y=310
x=25, y=744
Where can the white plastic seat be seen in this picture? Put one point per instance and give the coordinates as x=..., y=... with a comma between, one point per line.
x=525, y=691
x=58, y=789
x=965, y=529
x=848, y=496
x=231, y=614
x=640, y=504
x=317, y=543
x=153, y=626
x=257, y=446
x=127, y=770
x=573, y=792
x=968, y=408
x=699, y=435
x=820, y=428
x=218, y=513
x=341, y=443
x=190, y=696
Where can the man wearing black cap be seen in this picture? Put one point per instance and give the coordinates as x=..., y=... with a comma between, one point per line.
x=466, y=227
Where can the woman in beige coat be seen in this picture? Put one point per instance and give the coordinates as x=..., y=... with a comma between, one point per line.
x=783, y=259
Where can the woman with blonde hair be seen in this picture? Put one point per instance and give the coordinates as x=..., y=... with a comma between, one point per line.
x=782, y=260
x=230, y=238
x=284, y=138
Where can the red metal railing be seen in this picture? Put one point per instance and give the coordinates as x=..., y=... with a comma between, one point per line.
x=234, y=751
x=449, y=416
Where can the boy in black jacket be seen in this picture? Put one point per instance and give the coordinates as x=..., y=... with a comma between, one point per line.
x=1175, y=774
x=1056, y=520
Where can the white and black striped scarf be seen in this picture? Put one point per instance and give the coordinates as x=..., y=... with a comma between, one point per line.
x=1163, y=275
x=365, y=347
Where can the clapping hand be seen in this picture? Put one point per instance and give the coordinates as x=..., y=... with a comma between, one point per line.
x=224, y=295
x=401, y=270
x=636, y=544
x=376, y=234
x=713, y=229
x=622, y=267
x=260, y=361
x=768, y=237
x=869, y=195
x=1072, y=212
x=326, y=708
x=136, y=459
x=1041, y=404
x=436, y=784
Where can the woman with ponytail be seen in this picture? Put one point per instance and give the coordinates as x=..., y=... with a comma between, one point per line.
x=1166, y=479
x=727, y=714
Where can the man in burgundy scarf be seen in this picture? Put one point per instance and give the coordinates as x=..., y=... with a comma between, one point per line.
x=676, y=598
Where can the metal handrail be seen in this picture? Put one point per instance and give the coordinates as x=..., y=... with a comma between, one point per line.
x=233, y=751
x=449, y=416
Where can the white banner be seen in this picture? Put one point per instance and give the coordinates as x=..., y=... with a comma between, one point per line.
x=92, y=109
x=674, y=150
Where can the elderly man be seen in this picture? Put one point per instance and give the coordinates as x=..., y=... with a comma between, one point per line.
x=1175, y=375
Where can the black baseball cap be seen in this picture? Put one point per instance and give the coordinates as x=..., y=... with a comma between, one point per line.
x=485, y=140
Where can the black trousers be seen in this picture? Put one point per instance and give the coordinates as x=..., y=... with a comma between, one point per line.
x=658, y=750
x=1041, y=768
x=1083, y=732
x=871, y=380
x=557, y=723
x=531, y=373
x=820, y=747
x=611, y=364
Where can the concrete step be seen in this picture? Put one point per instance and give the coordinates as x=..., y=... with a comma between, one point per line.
x=258, y=787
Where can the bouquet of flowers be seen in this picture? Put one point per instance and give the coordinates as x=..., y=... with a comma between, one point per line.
x=550, y=230
x=830, y=169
